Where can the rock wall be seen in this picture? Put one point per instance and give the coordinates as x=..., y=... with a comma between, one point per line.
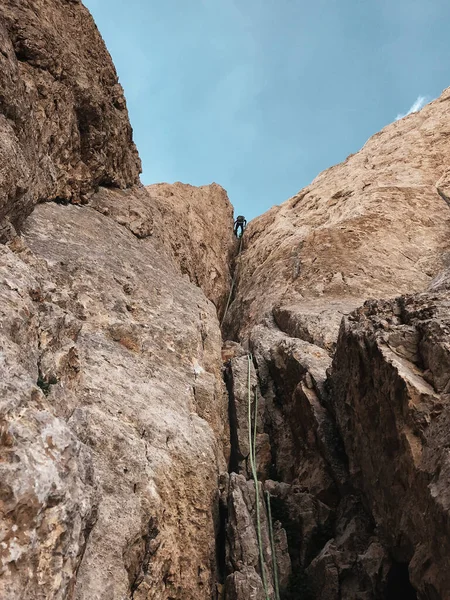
x=352, y=448
x=64, y=125
x=373, y=226
x=197, y=229
x=194, y=224
x=125, y=468
x=243, y=571
x=113, y=416
x=113, y=411
x=327, y=542
x=390, y=383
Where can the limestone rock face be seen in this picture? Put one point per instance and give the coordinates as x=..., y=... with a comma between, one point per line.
x=197, y=228
x=113, y=416
x=390, y=383
x=331, y=538
x=194, y=224
x=124, y=460
x=242, y=550
x=374, y=226
x=64, y=125
x=357, y=465
x=113, y=411
x=441, y=282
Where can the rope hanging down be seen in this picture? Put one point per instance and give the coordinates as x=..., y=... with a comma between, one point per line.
x=252, y=456
x=232, y=287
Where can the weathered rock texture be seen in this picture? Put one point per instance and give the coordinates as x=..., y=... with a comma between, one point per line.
x=113, y=412
x=374, y=226
x=124, y=465
x=244, y=576
x=391, y=392
x=331, y=538
x=328, y=546
x=243, y=567
x=195, y=225
x=236, y=378
x=64, y=125
x=113, y=416
x=354, y=449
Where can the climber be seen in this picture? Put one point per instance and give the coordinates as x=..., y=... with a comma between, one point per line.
x=240, y=223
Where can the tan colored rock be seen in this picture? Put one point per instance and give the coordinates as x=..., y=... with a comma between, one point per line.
x=113, y=416
x=64, y=125
x=197, y=228
x=373, y=226
x=376, y=225
x=390, y=393
x=243, y=566
x=231, y=350
x=236, y=378
x=194, y=224
x=443, y=186
x=442, y=280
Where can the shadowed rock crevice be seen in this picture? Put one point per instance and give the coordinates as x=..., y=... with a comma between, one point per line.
x=398, y=584
x=243, y=571
x=138, y=556
x=389, y=382
x=354, y=399
x=297, y=587
x=324, y=525
x=235, y=457
x=229, y=318
x=221, y=537
x=124, y=460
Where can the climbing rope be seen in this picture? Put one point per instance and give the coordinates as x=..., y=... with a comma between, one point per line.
x=252, y=454
x=232, y=285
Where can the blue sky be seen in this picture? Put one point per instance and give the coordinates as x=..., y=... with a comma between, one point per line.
x=261, y=95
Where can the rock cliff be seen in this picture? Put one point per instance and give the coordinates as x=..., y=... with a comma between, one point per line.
x=373, y=226
x=114, y=416
x=142, y=455
x=194, y=224
x=390, y=388
x=113, y=421
x=64, y=127
x=353, y=402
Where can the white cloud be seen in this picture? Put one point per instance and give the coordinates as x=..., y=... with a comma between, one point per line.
x=418, y=104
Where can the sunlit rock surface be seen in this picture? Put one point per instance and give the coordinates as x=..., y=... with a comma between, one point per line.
x=124, y=431
x=373, y=226
x=64, y=125
x=114, y=416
